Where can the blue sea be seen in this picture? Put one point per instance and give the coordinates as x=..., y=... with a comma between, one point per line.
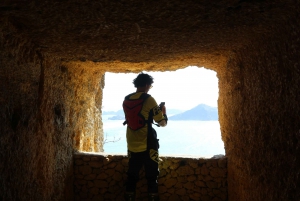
x=180, y=138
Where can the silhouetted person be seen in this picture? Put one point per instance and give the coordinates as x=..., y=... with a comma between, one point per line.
x=140, y=110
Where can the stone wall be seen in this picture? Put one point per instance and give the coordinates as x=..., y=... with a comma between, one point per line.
x=259, y=114
x=102, y=177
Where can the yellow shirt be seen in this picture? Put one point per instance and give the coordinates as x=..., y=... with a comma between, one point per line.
x=137, y=140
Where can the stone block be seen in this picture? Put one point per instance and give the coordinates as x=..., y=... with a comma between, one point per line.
x=214, y=163
x=181, y=191
x=86, y=158
x=216, y=199
x=212, y=184
x=197, y=189
x=84, y=189
x=208, y=164
x=94, y=191
x=77, y=156
x=111, y=183
x=85, y=170
x=101, y=183
x=201, y=162
x=195, y=196
x=112, y=165
x=200, y=177
x=125, y=162
x=90, y=184
x=217, y=172
x=83, y=195
x=117, y=176
x=78, y=162
x=170, y=182
x=98, y=198
x=189, y=185
x=120, y=168
x=97, y=170
x=102, y=176
x=191, y=178
x=207, y=178
x=164, y=196
x=198, y=171
x=110, y=172
x=182, y=179
x=178, y=185
x=204, y=170
x=90, y=177
x=222, y=163
x=171, y=190
x=204, y=191
x=109, y=196
x=161, y=180
x=185, y=170
x=95, y=158
x=174, y=165
x=162, y=189
x=185, y=198
x=193, y=163
x=205, y=198
x=174, y=197
x=96, y=164
x=165, y=164
x=200, y=183
x=162, y=173
x=173, y=173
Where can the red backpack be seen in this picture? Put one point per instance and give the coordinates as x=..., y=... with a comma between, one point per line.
x=132, y=109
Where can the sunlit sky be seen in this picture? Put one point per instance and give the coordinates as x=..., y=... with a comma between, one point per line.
x=182, y=89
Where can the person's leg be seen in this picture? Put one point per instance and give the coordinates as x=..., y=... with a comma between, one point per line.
x=135, y=163
x=151, y=170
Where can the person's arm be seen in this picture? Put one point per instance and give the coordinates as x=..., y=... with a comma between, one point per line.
x=159, y=113
x=163, y=122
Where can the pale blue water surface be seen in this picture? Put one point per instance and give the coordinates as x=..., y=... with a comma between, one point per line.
x=183, y=138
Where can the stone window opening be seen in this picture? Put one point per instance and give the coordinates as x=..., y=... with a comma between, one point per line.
x=205, y=135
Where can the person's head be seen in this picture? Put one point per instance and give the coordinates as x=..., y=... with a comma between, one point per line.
x=142, y=80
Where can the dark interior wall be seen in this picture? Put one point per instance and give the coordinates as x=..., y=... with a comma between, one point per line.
x=48, y=110
x=259, y=101
x=19, y=103
x=36, y=147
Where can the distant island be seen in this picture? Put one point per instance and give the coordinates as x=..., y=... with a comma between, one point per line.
x=201, y=112
x=117, y=117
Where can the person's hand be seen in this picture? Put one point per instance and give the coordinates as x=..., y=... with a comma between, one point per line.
x=164, y=110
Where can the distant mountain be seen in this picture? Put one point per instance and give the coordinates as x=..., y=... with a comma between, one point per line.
x=117, y=117
x=200, y=112
x=108, y=112
x=119, y=112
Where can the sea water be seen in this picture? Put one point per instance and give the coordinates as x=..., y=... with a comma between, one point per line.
x=181, y=138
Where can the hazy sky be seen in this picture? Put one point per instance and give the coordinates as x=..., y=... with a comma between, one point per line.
x=181, y=89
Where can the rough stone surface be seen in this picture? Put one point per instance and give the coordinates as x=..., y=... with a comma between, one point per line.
x=184, y=185
x=53, y=55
